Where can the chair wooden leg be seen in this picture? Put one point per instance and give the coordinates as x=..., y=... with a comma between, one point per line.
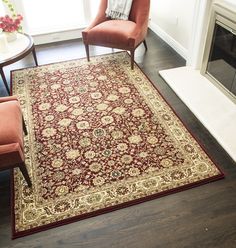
x=4, y=80
x=24, y=126
x=87, y=51
x=145, y=44
x=25, y=173
x=132, y=59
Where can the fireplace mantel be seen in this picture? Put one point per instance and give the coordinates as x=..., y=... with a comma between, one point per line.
x=217, y=64
x=201, y=20
x=226, y=8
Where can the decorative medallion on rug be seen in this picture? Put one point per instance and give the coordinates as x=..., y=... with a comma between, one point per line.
x=101, y=138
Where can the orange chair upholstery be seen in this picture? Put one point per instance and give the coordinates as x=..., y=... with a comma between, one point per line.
x=11, y=136
x=121, y=34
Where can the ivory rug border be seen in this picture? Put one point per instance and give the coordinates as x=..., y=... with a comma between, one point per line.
x=144, y=150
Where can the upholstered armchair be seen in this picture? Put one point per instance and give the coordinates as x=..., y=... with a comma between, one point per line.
x=120, y=34
x=11, y=136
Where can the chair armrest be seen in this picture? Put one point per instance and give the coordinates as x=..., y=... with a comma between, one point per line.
x=138, y=35
x=8, y=98
x=141, y=19
x=100, y=17
x=10, y=155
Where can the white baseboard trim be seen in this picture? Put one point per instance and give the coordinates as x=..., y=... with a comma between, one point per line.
x=169, y=40
x=57, y=36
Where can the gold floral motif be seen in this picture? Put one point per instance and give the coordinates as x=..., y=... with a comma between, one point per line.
x=96, y=95
x=76, y=171
x=150, y=183
x=122, y=190
x=62, y=190
x=43, y=86
x=82, y=89
x=93, y=199
x=90, y=77
x=102, y=77
x=126, y=159
x=115, y=174
x=128, y=101
x=177, y=175
x=166, y=163
x=152, y=140
x=66, y=81
x=202, y=167
x=82, y=125
x=160, y=150
x=85, y=142
x=189, y=148
x=30, y=214
x=124, y=90
x=48, y=132
x=44, y=106
x=77, y=111
x=107, y=119
x=102, y=106
x=117, y=134
x=111, y=162
x=89, y=154
x=144, y=126
x=135, y=139
x=98, y=181
x=143, y=154
x=93, y=84
x=57, y=163
x=122, y=146
x=90, y=109
x=74, y=99
x=55, y=86
x=72, y=154
x=62, y=207
x=49, y=118
x=95, y=167
x=58, y=176
x=61, y=108
x=112, y=97
x=107, y=152
x=99, y=132
x=119, y=110
x=138, y=112
x=134, y=172
x=68, y=89
x=65, y=122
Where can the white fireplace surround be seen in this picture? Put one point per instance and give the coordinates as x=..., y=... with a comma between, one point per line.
x=208, y=103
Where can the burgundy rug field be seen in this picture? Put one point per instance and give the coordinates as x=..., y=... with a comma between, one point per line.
x=100, y=138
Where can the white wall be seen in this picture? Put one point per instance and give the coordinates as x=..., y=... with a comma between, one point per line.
x=172, y=20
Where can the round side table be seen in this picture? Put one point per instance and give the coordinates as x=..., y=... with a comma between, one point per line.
x=17, y=50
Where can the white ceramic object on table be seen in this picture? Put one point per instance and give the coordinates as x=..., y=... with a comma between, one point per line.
x=3, y=43
x=11, y=36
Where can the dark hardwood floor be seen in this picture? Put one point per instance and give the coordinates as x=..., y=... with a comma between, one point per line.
x=204, y=216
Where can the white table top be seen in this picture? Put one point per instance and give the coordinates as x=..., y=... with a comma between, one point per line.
x=15, y=47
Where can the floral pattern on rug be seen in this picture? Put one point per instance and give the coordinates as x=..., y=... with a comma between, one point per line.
x=100, y=135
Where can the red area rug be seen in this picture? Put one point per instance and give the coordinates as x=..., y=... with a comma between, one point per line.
x=101, y=138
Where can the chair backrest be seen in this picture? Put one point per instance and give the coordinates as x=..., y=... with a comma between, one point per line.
x=140, y=11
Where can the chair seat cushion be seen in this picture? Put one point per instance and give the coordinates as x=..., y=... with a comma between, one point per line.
x=11, y=123
x=112, y=33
